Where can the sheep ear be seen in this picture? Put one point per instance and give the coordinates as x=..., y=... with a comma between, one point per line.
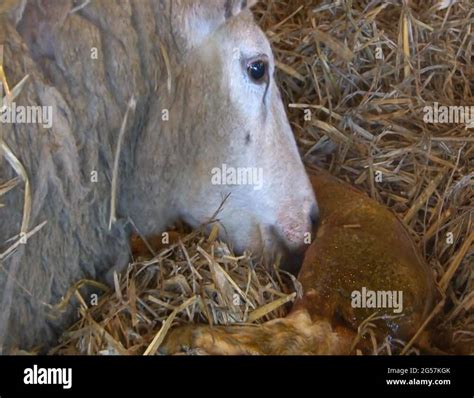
x=194, y=21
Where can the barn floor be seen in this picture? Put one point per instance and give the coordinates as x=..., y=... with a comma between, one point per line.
x=356, y=79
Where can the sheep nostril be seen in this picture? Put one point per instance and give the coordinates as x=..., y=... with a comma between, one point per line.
x=314, y=216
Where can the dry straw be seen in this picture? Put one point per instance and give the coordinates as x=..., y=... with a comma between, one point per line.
x=195, y=279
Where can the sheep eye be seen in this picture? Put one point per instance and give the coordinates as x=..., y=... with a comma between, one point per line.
x=257, y=70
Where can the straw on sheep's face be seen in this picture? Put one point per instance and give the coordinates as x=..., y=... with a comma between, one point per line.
x=241, y=143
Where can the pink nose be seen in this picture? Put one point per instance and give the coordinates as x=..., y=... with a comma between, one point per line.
x=295, y=227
